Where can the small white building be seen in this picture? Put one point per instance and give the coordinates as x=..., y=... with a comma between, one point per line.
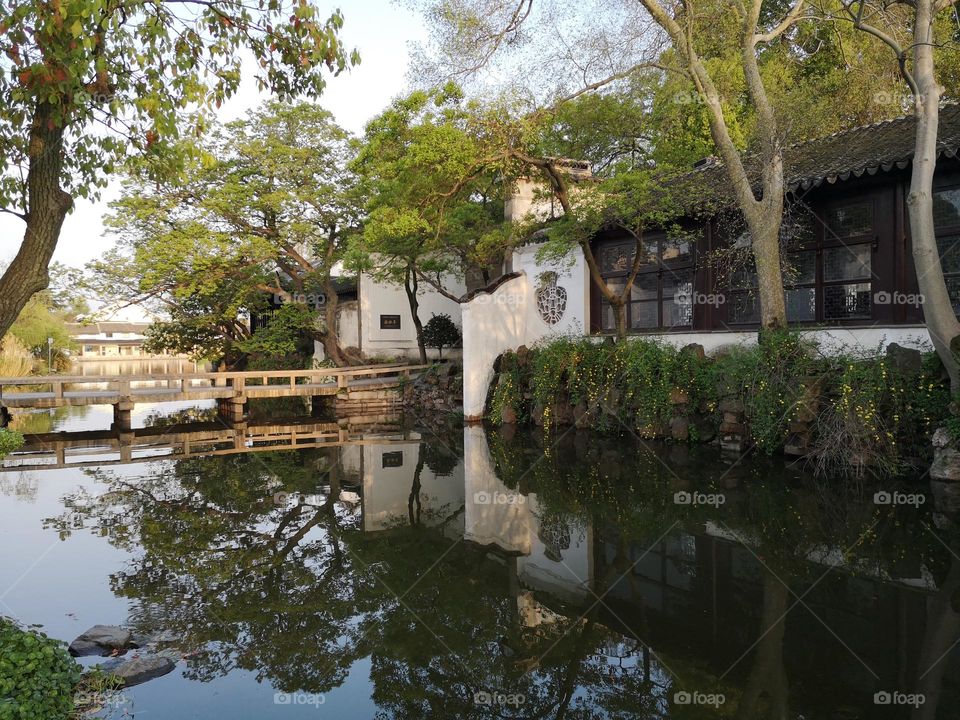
x=374, y=316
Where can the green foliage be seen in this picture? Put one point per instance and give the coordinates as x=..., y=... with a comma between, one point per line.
x=863, y=410
x=37, y=675
x=263, y=198
x=37, y=322
x=283, y=333
x=10, y=441
x=440, y=332
x=144, y=74
x=768, y=379
x=433, y=195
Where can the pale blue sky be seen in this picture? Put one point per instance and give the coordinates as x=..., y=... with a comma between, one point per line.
x=380, y=29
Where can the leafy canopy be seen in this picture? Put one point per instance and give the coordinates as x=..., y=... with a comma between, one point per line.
x=122, y=76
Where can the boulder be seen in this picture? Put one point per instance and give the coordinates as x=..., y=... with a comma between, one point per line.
x=946, y=465
x=680, y=428
x=706, y=429
x=143, y=668
x=101, y=640
x=907, y=361
x=508, y=416
x=523, y=356
x=946, y=497
x=694, y=349
x=941, y=438
x=731, y=405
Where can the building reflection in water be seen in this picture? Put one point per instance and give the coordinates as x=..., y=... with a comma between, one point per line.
x=581, y=578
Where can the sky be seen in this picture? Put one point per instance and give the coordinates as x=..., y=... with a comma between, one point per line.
x=380, y=29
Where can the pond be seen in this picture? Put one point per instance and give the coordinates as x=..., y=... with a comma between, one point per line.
x=401, y=572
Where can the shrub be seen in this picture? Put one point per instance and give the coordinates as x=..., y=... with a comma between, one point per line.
x=440, y=332
x=37, y=675
x=863, y=409
x=10, y=440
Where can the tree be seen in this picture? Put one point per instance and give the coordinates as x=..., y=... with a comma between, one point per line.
x=440, y=332
x=262, y=208
x=86, y=82
x=916, y=63
x=434, y=198
x=727, y=75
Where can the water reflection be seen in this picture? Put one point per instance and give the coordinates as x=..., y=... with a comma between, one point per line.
x=484, y=575
x=143, y=366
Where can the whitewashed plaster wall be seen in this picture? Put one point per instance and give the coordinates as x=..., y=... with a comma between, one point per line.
x=378, y=298
x=508, y=317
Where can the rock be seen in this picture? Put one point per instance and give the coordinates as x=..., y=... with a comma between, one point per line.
x=523, y=356
x=804, y=412
x=946, y=496
x=563, y=414
x=706, y=429
x=101, y=640
x=582, y=418
x=907, y=361
x=680, y=429
x=694, y=349
x=946, y=465
x=140, y=669
x=732, y=428
x=508, y=416
x=679, y=397
x=941, y=438
x=731, y=405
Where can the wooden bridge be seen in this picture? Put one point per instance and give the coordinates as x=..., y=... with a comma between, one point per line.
x=99, y=448
x=369, y=388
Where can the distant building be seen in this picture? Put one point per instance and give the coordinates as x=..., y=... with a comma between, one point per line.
x=110, y=340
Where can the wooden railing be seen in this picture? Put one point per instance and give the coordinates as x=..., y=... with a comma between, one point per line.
x=187, y=384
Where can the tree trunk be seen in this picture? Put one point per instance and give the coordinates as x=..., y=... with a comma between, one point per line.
x=47, y=206
x=763, y=216
x=410, y=286
x=940, y=635
x=768, y=676
x=764, y=225
x=938, y=313
x=331, y=338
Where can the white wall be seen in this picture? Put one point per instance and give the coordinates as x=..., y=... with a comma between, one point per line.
x=508, y=317
x=378, y=298
x=496, y=515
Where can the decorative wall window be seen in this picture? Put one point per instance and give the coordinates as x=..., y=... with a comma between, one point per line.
x=946, y=219
x=662, y=293
x=551, y=299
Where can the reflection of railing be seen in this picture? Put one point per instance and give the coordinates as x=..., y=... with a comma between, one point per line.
x=85, y=390
x=98, y=448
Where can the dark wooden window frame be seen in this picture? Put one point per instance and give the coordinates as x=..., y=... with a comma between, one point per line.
x=660, y=269
x=948, y=230
x=880, y=239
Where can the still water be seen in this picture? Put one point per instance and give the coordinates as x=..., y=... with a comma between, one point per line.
x=401, y=572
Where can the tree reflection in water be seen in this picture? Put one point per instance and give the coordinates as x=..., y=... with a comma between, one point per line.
x=595, y=595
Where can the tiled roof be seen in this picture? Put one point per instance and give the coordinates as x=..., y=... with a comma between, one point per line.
x=856, y=152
